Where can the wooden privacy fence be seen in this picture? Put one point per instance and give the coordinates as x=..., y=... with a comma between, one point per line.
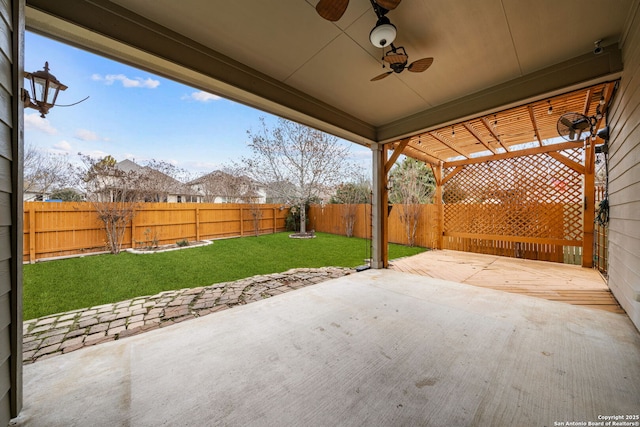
x=62, y=229
x=331, y=219
x=533, y=231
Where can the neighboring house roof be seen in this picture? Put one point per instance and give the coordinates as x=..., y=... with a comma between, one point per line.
x=127, y=165
x=176, y=187
x=227, y=186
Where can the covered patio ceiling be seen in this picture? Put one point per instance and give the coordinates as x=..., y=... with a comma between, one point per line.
x=282, y=57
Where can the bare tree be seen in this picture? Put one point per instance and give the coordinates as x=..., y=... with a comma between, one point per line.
x=296, y=162
x=349, y=195
x=256, y=217
x=229, y=185
x=413, y=184
x=114, y=193
x=165, y=179
x=45, y=172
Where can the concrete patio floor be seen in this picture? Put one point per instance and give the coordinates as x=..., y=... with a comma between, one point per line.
x=373, y=348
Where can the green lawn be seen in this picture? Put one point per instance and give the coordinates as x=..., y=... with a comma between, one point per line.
x=63, y=285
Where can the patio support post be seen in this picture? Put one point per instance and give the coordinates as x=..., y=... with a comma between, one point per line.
x=437, y=173
x=379, y=257
x=589, y=204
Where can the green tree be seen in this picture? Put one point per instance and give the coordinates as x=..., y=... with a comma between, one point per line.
x=67, y=195
x=412, y=182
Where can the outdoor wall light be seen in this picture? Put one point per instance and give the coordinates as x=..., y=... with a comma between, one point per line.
x=45, y=88
x=597, y=50
x=383, y=34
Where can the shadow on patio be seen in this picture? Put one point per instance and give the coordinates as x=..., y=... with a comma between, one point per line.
x=379, y=347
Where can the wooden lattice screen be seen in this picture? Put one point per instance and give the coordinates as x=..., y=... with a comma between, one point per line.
x=526, y=207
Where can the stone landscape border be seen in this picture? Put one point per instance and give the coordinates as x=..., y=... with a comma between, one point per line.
x=169, y=248
x=62, y=333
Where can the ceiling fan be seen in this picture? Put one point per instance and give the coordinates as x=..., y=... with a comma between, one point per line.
x=333, y=10
x=398, y=59
x=575, y=126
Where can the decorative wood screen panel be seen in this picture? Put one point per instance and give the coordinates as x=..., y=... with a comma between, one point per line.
x=526, y=207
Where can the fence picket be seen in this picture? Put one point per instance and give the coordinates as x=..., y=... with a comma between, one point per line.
x=73, y=228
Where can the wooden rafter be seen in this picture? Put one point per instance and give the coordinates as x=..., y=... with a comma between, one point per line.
x=587, y=102
x=443, y=140
x=607, y=92
x=519, y=153
x=421, y=155
x=535, y=125
x=473, y=132
x=493, y=134
x=479, y=136
x=422, y=147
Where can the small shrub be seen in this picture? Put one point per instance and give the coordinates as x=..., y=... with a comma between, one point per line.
x=182, y=243
x=152, y=239
x=292, y=221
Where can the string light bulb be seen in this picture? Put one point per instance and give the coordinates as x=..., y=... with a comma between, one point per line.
x=550, y=110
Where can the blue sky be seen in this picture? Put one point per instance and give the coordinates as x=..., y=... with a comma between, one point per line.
x=134, y=114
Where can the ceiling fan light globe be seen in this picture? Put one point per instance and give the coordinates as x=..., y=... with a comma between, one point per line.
x=383, y=34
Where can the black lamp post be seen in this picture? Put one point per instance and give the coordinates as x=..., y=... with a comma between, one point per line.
x=45, y=88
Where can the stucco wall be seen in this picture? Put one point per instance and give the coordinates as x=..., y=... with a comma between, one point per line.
x=624, y=178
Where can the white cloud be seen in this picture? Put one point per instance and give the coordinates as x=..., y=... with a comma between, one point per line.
x=35, y=122
x=63, y=146
x=202, y=96
x=201, y=167
x=109, y=79
x=86, y=135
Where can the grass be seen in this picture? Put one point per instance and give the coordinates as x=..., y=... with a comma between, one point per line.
x=62, y=285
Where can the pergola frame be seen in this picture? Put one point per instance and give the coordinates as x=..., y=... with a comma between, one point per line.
x=525, y=130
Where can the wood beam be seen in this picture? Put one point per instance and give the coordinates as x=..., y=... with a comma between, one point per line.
x=493, y=134
x=518, y=153
x=535, y=125
x=443, y=140
x=415, y=153
x=568, y=162
x=473, y=132
x=589, y=206
x=587, y=102
x=607, y=99
x=437, y=173
x=397, y=150
x=454, y=172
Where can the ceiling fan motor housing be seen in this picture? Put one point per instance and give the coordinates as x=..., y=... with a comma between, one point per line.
x=383, y=34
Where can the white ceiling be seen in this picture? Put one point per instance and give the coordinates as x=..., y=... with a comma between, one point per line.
x=326, y=67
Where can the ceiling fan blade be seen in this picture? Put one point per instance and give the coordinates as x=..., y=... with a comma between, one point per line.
x=572, y=134
x=388, y=4
x=568, y=123
x=581, y=124
x=396, y=58
x=420, y=65
x=332, y=10
x=381, y=76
